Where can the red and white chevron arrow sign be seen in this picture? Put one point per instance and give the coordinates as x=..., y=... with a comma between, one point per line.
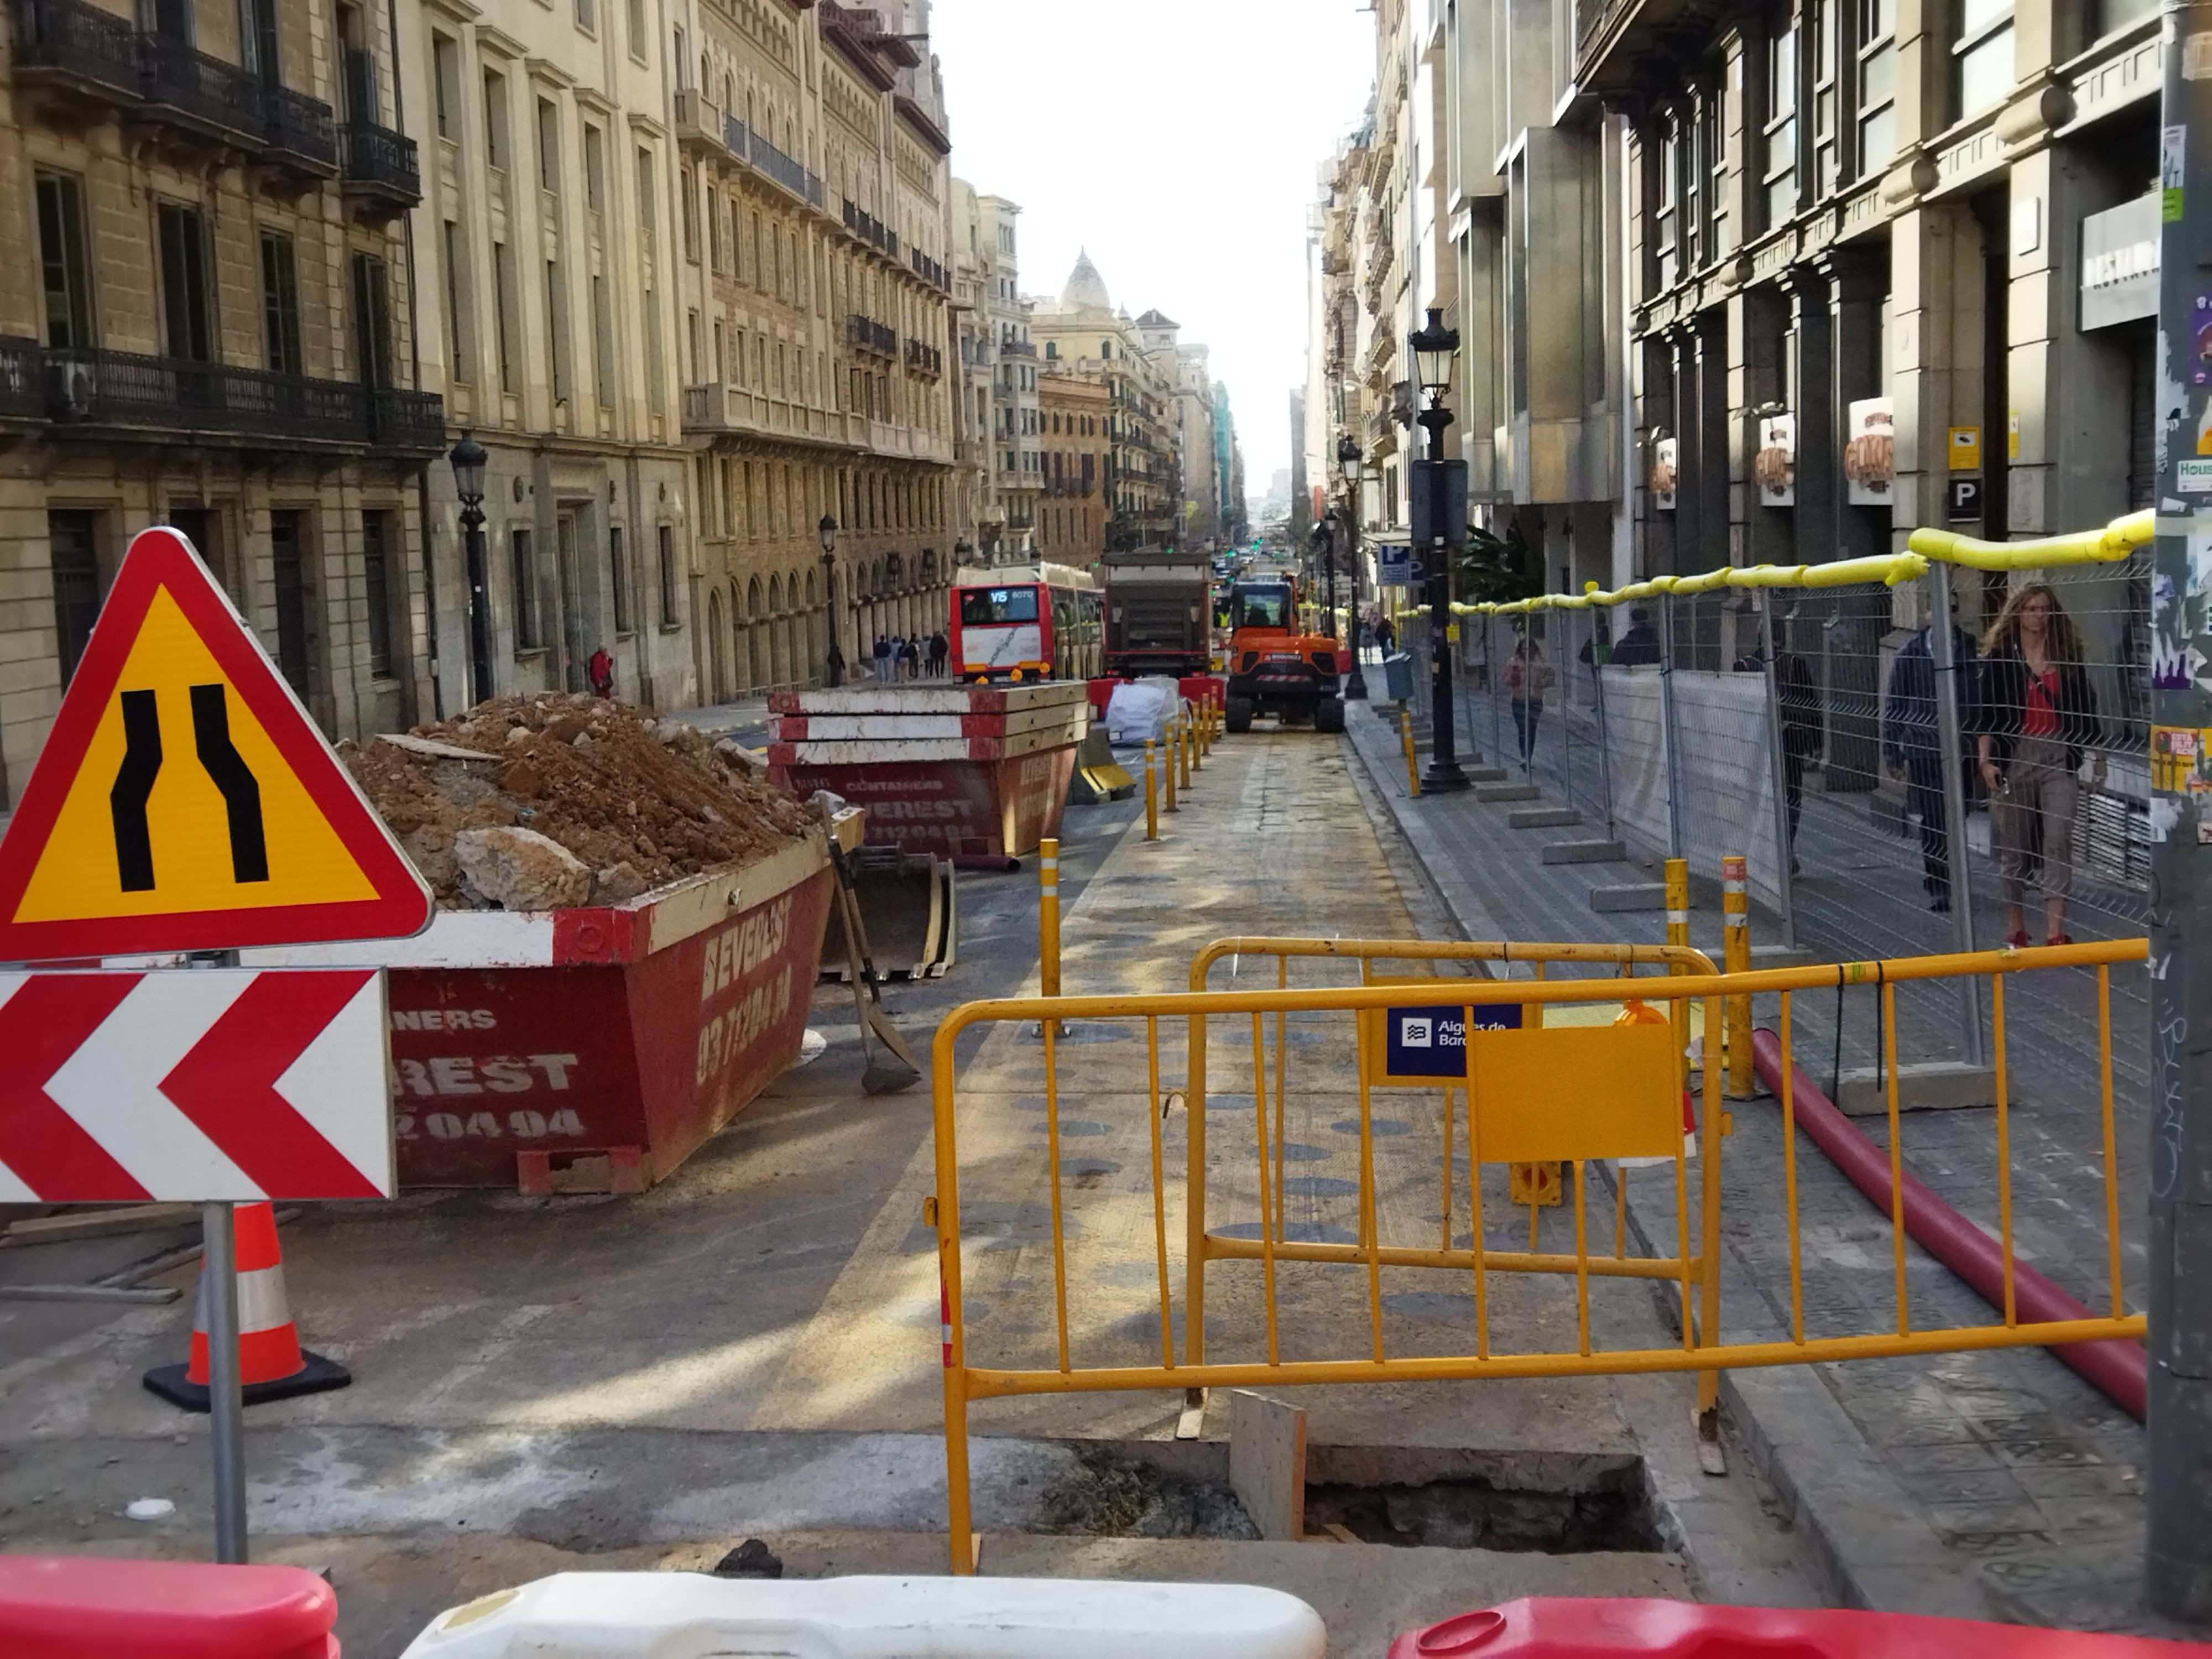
x=195, y=1085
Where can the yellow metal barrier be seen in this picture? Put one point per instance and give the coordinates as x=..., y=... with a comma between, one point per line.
x=1625, y=1101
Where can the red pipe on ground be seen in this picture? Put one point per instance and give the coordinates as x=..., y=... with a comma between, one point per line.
x=2115, y=1367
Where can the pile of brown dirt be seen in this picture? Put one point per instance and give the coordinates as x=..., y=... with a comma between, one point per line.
x=643, y=803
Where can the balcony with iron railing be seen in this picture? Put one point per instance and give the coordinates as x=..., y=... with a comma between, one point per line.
x=381, y=176
x=22, y=395
x=94, y=55
x=767, y=159
x=94, y=389
x=1016, y=349
x=929, y=270
x=869, y=229
x=924, y=359
x=865, y=334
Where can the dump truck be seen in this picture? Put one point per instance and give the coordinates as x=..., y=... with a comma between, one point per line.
x=1156, y=612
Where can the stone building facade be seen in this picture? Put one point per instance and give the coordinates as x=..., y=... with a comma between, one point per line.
x=1075, y=408
x=813, y=209
x=1001, y=411
x=206, y=322
x=1083, y=329
x=547, y=291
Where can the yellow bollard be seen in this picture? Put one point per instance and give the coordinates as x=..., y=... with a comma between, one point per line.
x=1182, y=747
x=1152, y=796
x=1677, y=902
x=1205, y=726
x=1048, y=918
x=1197, y=738
x=1169, y=766
x=1735, y=959
x=1412, y=769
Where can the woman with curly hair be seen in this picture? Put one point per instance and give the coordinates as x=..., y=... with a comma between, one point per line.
x=2038, y=713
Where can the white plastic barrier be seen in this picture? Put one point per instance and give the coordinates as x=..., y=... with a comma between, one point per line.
x=686, y=1615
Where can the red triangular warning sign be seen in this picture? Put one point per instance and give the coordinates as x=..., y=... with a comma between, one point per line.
x=185, y=800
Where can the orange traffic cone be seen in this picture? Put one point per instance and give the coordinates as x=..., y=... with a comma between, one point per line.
x=272, y=1365
x=1636, y=1012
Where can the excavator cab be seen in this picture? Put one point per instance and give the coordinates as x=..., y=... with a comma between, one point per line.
x=1275, y=667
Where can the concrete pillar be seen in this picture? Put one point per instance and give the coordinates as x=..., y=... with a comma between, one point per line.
x=1819, y=479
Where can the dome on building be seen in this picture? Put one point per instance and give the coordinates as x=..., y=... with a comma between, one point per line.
x=1085, y=287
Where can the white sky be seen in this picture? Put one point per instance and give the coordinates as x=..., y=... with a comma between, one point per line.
x=1177, y=141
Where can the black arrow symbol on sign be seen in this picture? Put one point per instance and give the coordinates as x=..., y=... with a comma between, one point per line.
x=141, y=765
x=134, y=783
x=241, y=795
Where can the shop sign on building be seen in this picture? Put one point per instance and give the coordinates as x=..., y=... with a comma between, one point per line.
x=2119, y=264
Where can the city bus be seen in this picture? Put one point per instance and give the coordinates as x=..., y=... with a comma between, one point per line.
x=1044, y=620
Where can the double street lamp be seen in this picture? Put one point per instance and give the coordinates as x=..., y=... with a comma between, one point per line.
x=833, y=660
x=1438, y=501
x=468, y=458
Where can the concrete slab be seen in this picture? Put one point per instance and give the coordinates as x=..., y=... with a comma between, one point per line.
x=1924, y=1086
x=1542, y=817
x=1479, y=773
x=1492, y=793
x=1585, y=852
x=1629, y=895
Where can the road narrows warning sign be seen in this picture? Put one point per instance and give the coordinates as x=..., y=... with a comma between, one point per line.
x=185, y=800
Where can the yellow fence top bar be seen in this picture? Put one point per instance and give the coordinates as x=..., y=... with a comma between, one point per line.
x=2115, y=541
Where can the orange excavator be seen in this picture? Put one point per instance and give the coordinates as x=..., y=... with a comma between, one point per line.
x=1275, y=668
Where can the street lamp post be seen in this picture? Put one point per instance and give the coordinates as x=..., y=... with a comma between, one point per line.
x=1438, y=499
x=833, y=661
x=1355, y=684
x=468, y=458
x=1323, y=541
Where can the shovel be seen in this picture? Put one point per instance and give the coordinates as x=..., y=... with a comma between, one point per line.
x=886, y=1072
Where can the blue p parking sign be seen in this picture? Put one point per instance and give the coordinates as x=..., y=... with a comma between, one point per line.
x=1432, y=1041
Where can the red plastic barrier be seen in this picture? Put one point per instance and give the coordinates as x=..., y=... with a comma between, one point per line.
x=2117, y=1369
x=89, y=1607
x=1548, y=1628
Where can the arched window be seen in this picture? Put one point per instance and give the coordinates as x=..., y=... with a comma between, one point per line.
x=1105, y=348
x=1051, y=349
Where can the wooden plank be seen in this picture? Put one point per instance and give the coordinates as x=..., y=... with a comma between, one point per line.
x=897, y=750
x=851, y=728
x=1268, y=1463
x=98, y=1224
x=909, y=697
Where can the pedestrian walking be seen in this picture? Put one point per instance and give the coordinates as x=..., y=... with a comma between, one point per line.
x=601, y=668
x=1527, y=677
x=1386, y=636
x=1910, y=751
x=1639, y=646
x=1801, y=726
x=938, y=650
x=2039, y=713
x=909, y=660
x=883, y=655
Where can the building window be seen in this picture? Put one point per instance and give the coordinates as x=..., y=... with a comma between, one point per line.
x=2114, y=16
x=668, y=577
x=656, y=392
x=1781, y=129
x=1982, y=57
x=64, y=263
x=280, y=304
x=1712, y=163
x=603, y=342
x=287, y=567
x=689, y=193
x=495, y=96
x=714, y=231
x=451, y=254
x=376, y=587
x=646, y=192
x=1827, y=157
x=526, y=590
x=446, y=83
x=595, y=169
x=1877, y=79
x=618, y=579
x=549, y=144
x=587, y=17
x=71, y=538
x=372, y=319
x=638, y=39
x=504, y=304
x=556, y=323
x=187, y=320
x=1666, y=214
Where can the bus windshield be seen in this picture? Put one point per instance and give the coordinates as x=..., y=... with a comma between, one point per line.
x=1262, y=607
x=981, y=606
